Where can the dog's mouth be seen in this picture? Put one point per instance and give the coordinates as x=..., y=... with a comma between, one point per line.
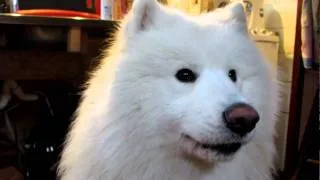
x=226, y=149
x=208, y=151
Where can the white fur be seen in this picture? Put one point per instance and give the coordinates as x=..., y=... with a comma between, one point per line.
x=134, y=110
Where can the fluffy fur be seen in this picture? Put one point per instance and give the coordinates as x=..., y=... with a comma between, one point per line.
x=134, y=110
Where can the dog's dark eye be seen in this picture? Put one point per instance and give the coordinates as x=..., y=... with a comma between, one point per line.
x=232, y=75
x=186, y=75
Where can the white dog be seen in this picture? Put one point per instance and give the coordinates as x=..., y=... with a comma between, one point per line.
x=177, y=97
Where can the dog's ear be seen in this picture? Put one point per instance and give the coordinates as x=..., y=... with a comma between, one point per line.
x=236, y=12
x=233, y=14
x=144, y=14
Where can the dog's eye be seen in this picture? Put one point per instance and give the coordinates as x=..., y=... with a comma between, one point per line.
x=232, y=75
x=186, y=75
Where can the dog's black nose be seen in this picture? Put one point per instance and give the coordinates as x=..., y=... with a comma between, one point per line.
x=241, y=118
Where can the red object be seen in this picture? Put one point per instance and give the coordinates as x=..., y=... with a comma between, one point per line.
x=124, y=7
x=58, y=13
x=89, y=4
x=94, y=4
x=98, y=7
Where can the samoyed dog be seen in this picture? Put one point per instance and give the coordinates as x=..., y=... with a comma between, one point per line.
x=176, y=97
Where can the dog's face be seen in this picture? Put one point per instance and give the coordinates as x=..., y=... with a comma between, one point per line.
x=198, y=82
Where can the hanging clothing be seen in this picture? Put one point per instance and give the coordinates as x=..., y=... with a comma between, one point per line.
x=310, y=33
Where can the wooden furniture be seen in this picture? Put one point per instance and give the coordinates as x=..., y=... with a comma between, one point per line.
x=304, y=89
x=308, y=159
x=48, y=48
x=68, y=58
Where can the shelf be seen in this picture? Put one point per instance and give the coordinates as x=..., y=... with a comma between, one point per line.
x=38, y=65
x=54, y=21
x=68, y=57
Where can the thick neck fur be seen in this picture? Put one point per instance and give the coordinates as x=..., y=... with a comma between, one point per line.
x=148, y=158
x=148, y=163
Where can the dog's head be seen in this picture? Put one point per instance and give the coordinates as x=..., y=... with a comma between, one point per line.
x=198, y=83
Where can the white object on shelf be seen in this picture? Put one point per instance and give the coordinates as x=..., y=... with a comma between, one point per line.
x=14, y=6
x=106, y=9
